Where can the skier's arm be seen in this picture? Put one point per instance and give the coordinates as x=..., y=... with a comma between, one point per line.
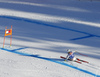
x=74, y=51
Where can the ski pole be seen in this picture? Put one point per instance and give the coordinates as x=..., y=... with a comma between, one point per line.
x=82, y=54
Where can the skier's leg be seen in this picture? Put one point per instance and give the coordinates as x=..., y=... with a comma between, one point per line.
x=76, y=60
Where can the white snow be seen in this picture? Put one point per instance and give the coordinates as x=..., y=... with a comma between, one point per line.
x=43, y=30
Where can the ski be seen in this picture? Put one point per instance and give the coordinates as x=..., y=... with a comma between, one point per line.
x=82, y=60
x=62, y=57
x=74, y=61
x=78, y=60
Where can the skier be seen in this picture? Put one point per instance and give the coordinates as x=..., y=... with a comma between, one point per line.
x=71, y=57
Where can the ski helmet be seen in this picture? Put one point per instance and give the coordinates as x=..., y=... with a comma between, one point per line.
x=69, y=51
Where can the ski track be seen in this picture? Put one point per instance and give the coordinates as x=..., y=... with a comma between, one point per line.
x=48, y=59
x=50, y=21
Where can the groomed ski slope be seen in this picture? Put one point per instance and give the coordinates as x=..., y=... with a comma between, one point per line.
x=43, y=30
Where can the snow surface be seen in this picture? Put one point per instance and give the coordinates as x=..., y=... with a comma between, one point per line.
x=42, y=32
